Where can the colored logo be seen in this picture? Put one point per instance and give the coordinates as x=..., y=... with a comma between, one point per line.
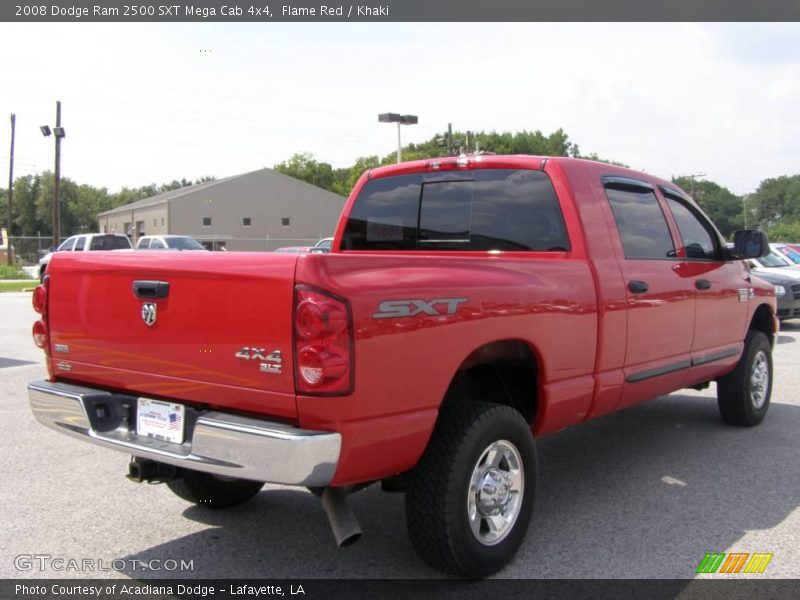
x=734, y=562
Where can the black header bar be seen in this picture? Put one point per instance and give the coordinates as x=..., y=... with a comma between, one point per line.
x=386, y=11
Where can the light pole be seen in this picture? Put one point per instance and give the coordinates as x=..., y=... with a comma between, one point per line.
x=400, y=120
x=10, y=187
x=59, y=133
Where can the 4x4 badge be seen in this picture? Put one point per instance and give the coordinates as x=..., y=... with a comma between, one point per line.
x=149, y=313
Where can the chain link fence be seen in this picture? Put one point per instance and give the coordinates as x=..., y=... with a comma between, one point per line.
x=28, y=250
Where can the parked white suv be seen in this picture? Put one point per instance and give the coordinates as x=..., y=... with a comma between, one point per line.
x=87, y=241
x=168, y=242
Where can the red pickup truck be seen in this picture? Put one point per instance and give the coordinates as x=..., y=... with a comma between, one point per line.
x=468, y=306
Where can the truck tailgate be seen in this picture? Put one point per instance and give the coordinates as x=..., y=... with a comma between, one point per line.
x=221, y=336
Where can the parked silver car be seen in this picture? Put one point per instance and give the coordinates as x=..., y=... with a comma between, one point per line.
x=87, y=241
x=786, y=281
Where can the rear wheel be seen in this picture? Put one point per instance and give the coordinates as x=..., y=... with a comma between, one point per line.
x=743, y=395
x=470, y=498
x=215, y=491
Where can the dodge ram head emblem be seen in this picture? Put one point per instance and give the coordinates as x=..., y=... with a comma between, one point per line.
x=149, y=313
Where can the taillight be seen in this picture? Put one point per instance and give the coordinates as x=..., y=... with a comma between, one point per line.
x=39, y=299
x=40, y=334
x=323, y=343
x=40, y=328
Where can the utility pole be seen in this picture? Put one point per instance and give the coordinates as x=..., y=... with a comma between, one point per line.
x=691, y=188
x=449, y=139
x=10, y=187
x=744, y=209
x=57, y=182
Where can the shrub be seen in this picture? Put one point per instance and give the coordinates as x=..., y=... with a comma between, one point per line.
x=12, y=272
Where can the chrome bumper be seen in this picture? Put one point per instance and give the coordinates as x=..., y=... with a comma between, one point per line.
x=218, y=443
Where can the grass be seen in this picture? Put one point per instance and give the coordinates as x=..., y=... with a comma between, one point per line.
x=17, y=286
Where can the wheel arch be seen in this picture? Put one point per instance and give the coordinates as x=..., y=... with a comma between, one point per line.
x=510, y=366
x=763, y=320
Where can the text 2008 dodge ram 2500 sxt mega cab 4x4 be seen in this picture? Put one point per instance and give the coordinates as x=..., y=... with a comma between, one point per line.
x=468, y=306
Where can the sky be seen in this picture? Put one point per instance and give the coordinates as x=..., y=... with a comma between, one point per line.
x=149, y=103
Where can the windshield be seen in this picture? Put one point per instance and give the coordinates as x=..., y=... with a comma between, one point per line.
x=772, y=260
x=183, y=243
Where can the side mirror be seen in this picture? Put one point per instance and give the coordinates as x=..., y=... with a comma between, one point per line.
x=750, y=243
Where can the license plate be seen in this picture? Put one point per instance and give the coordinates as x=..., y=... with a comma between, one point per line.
x=160, y=420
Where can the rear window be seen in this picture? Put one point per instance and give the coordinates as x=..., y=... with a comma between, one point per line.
x=489, y=209
x=109, y=242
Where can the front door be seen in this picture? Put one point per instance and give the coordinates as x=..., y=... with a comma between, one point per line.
x=721, y=287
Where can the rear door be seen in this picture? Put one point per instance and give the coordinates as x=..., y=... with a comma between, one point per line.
x=660, y=300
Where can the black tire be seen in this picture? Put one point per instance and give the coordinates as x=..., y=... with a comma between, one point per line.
x=440, y=494
x=210, y=490
x=743, y=395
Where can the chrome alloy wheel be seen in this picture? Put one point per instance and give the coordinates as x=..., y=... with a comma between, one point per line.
x=495, y=493
x=759, y=380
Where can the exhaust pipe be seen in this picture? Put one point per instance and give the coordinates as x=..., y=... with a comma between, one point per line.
x=344, y=524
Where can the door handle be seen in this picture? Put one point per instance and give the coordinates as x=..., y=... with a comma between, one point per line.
x=638, y=287
x=151, y=290
x=702, y=284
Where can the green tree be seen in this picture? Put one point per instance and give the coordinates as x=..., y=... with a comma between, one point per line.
x=345, y=179
x=777, y=200
x=305, y=167
x=785, y=232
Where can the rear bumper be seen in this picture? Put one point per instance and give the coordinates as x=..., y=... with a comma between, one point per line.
x=215, y=442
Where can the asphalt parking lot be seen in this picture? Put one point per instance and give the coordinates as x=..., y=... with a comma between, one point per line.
x=644, y=493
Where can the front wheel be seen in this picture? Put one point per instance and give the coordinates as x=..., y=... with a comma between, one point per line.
x=743, y=395
x=214, y=491
x=470, y=498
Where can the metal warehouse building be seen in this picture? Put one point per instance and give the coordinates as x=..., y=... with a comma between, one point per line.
x=261, y=210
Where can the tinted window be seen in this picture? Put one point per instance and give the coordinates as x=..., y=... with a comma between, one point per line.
x=80, y=243
x=445, y=212
x=497, y=210
x=143, y=243
x=697, y=240
x=109, y=242
x=385, y=215
x=641, y=224
x=516, y=210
